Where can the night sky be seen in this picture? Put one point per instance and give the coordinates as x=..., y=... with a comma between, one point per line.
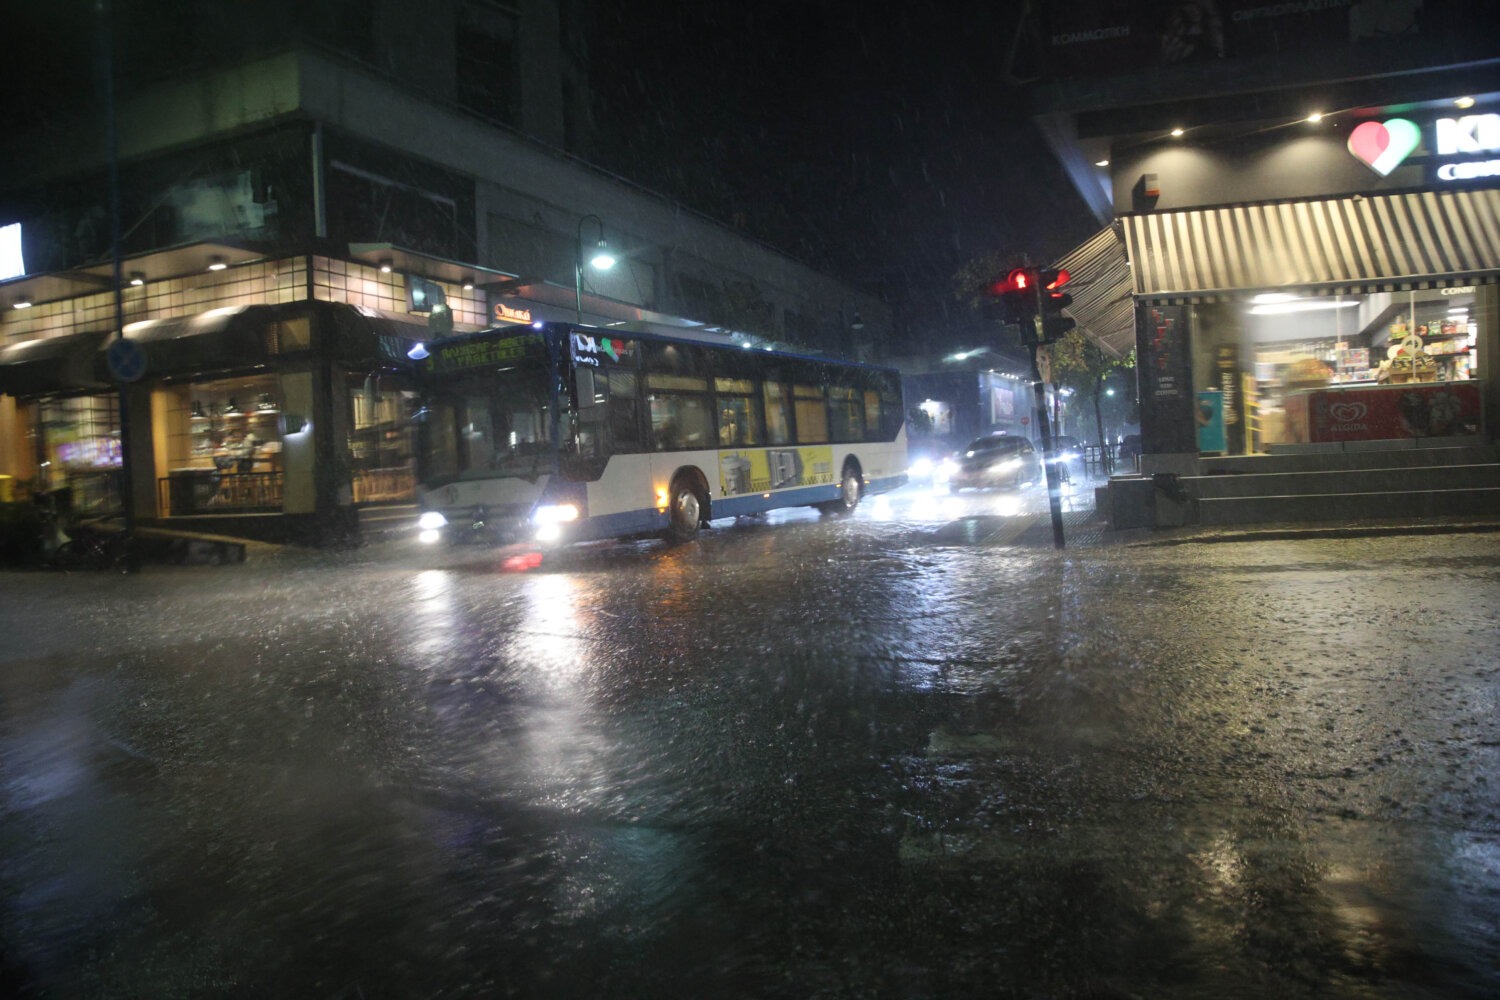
x=877, y=141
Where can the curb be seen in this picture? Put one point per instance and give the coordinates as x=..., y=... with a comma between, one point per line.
x=1202, y=536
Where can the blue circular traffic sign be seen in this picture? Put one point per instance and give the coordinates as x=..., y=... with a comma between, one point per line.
x=127, y=362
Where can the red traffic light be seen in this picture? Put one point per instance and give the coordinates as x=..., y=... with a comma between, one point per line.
x=1053, y=278
x=1020, y=279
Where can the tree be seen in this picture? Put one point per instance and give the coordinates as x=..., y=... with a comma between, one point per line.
x=1080, y=364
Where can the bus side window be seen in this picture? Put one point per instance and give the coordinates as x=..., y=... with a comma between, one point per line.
x=739, y=412
x=778, y=414
x=739, y=421
x=478, y=435
x=624, y=413
x=679, y=420
x=845, y=409
x=892, y=409
x=812, y=414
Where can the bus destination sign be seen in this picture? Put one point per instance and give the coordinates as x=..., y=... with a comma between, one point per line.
x=483, y=353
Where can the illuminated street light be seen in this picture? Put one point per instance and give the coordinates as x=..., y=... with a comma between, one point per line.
x=602, y=260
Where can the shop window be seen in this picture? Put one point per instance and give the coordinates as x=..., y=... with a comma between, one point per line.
x=1257, y=363
x=224, y=441
x=80, y=447
x=382, y=440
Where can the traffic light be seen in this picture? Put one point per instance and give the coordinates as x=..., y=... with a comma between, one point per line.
x=1053, y=301
x=1015, y=298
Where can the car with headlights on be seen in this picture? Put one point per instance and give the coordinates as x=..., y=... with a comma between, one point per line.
x=930, y=458
x=996, y=461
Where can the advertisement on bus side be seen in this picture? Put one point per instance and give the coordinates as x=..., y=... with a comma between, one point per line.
x=761, y=470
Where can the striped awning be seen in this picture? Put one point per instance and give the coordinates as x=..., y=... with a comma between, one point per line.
x=1352, y=245
x=1099, y=281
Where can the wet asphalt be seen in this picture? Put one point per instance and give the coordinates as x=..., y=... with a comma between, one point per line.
x=914, y=753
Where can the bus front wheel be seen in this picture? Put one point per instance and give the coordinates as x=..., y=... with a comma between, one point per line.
x=686, y=512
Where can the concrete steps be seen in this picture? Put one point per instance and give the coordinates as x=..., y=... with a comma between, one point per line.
x=1311, y=485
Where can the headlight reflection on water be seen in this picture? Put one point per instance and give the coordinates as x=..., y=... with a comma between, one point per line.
x=1006, y=505
x=936, y=505
x=433, y=622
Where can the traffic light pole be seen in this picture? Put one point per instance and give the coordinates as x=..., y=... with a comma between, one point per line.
x=1054, y=487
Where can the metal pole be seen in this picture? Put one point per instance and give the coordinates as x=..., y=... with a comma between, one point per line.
x=1054, y=488
x=578, y=261
x=111, y=138
x=578, y=271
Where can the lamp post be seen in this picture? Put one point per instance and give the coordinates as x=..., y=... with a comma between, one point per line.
x=602, y=260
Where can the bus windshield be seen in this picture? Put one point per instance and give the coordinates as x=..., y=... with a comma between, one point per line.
x=491, y=424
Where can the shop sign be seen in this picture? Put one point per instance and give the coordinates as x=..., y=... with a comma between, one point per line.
x=1384, y=146
x=1384, y=413
x=1471, y=135
x=505, y=314
x=1467, y=146
x=12, y=262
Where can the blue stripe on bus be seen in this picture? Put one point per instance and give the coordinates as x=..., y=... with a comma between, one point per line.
x=650, y=521
x=755, y=503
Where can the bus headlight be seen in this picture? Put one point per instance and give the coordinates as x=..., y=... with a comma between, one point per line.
x=431, y=520
x=554, y=514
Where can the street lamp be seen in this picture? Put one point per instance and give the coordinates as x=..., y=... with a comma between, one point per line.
x=602, y=260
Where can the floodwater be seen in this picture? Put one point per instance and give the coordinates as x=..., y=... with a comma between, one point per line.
x=801, y=757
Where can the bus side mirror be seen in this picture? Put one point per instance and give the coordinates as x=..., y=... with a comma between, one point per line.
x=585, y=381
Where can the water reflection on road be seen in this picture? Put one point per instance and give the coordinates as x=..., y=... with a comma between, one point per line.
x=802, y=757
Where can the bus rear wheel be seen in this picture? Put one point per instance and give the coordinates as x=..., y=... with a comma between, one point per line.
x=686, y=511
x=851, y=488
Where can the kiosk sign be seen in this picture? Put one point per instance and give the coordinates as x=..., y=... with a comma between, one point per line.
x=1471, y=135
x=1460, y=149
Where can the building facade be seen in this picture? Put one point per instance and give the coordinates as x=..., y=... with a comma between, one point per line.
x=290, y=215
x=1300, y=208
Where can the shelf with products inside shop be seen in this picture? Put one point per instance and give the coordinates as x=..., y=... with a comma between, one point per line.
x=1412, y=361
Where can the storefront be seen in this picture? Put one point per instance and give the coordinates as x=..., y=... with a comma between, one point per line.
x=1356, y=311
x=264, y=406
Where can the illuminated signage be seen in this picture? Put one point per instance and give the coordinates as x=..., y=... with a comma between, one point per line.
x=483, y=353
x=12, y=265
x=1471, y=135
x=505, y=314
x=1467, y=146
x=1468, y=135
x=591, y=350
x=1383, y=146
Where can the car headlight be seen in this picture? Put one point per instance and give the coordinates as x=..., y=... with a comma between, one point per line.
x=554, y=513
x=431, y=520
x=921, y=468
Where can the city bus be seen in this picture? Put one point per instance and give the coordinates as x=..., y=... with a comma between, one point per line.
x=555, y=433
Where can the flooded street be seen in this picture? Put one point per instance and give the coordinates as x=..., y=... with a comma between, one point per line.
x=800, y=757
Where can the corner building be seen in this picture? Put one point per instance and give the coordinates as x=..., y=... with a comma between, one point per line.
x=1302, y=208
x=306, y=191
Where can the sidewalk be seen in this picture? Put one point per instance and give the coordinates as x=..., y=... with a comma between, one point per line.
x=1082, y=529
x=1354, y=528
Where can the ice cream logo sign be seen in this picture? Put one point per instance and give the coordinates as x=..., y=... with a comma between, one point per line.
x=1348, y=416
x=1467, y=145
